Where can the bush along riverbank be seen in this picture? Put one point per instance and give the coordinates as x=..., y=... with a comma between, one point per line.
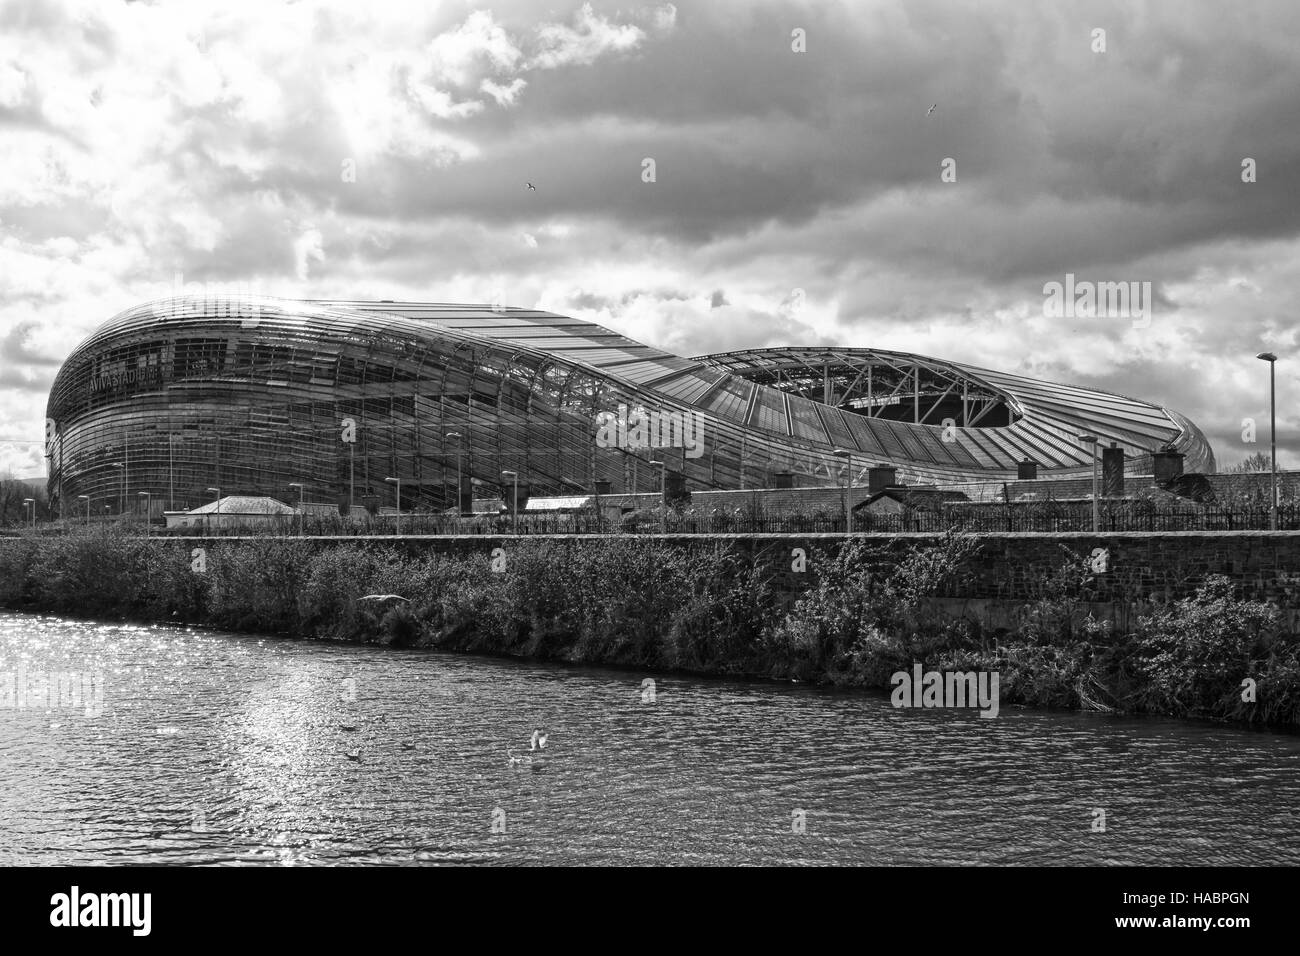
x=863, y=617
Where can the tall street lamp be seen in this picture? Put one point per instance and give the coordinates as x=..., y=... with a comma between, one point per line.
x=457, y=436
x=1091, y=440
x=398, y=482
x=514, y=504
x=217, y=492
x=31, y=502
x=299, y=486
x=86, y=499
x=171, y=472
x=848, y=489
x=1271, y=359
x=663, y=494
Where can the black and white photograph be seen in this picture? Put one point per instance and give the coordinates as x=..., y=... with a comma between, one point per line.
x=586, y=435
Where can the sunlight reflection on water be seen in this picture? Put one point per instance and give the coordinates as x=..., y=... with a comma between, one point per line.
x=222, y=749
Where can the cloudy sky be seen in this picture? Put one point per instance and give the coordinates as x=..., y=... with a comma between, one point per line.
x=798, y=195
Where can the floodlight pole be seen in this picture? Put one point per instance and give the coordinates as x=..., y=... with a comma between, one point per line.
x=457, y=435
x=1091, y=440
x=663, y=494
x=398, y=483
x=847, y=454
x=1271, y=359
x=217, y=492
x=514, y=505
x=171, y=472
x=299, y=486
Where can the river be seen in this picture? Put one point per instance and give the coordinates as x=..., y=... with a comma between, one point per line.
x=178, y=746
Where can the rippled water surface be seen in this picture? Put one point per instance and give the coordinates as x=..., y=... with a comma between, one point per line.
x=221, y=749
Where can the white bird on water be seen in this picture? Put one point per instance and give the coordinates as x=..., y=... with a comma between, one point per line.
x=535, y=757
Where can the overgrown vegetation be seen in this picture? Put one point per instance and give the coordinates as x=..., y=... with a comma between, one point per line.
x=868, y=611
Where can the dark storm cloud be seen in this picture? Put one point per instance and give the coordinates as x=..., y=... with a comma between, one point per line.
x=16, y=351
x=329, y=149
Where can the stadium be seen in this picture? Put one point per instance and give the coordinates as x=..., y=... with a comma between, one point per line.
x=340, y=401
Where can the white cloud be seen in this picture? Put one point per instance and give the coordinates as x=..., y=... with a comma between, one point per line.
x=13, y=83
x=479, y=44
x=504, y=94
x=591, y=37
x=308, y=248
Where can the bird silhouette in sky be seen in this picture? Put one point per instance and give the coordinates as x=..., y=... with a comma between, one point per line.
x=932, y=109
x=531, y=186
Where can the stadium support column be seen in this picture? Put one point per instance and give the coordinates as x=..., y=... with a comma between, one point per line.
x=916, y=394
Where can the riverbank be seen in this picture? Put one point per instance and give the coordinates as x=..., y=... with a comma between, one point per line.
x=856, y=619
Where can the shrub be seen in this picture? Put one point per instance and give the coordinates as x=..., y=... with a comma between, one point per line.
x=1193, y=655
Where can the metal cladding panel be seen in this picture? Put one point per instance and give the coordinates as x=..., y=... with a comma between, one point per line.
x=688, y=388
x=769, y=412
x=647, y=371
x=865, y=434
x=730, y=399
x=833, y=422
x=805, y=420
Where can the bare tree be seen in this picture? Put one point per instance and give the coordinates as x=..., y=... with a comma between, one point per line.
x=1251, y=464
x=12, y=494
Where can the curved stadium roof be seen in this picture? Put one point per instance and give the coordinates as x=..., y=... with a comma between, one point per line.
x=247, y=392
x=776, y=390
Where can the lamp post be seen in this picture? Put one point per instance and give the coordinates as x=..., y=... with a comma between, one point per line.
x=148, y=502
x=663, y=494
x=1271, y=359
x=31, y=502
x=514, y=504
x=457, y=436
x=121, y=486
x=299, y=486
x=398, y=482
x=86, y=499
x=171, y=472
x=1096, y=513
x=847, y=454
x=217, y=492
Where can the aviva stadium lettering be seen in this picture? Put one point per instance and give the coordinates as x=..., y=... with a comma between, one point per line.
x=104, y=379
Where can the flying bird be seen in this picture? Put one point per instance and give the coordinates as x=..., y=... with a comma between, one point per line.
x=531, y=186
x=383, y=597
x=932, y=109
